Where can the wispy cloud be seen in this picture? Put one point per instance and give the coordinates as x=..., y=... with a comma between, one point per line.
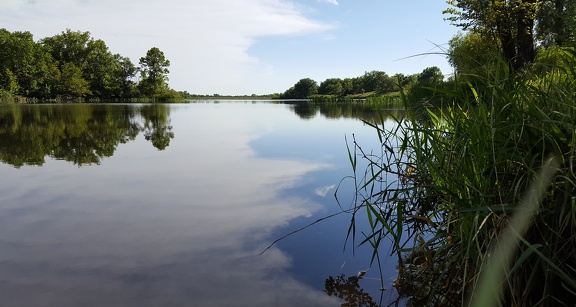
x=205, y=40
x=333, y=2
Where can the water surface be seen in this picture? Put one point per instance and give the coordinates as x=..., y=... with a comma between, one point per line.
x=155, y=205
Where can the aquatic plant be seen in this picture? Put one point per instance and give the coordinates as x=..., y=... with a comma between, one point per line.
x=449, y=181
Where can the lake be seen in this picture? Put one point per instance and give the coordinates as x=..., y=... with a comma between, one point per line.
x=171, y=205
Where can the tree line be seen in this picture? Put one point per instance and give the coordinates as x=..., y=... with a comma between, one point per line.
x=371, y=83
x=72, y=64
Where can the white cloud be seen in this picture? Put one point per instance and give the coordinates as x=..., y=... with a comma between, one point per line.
x=333, y=2
x=207, y=41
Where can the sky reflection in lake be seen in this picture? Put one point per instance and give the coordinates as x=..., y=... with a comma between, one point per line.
x=179, y=226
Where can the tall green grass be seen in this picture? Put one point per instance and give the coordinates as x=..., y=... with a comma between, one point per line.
x=450, y=179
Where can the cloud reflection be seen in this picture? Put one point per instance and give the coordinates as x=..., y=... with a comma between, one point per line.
x=323, y=191
x=181, y=227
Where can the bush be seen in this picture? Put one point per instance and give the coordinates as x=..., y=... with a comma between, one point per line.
x=5, y=97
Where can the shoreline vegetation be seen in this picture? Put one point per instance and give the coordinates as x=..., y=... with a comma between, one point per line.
x=475, y=186
x=74, y=67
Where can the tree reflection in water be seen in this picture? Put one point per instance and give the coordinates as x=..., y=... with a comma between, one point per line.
x=348, y=289
x=82, y=133
x=366, y=111
x=157, y=127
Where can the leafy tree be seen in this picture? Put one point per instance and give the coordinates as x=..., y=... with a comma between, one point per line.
x=472, y=53
x=80, y=63
x=124, y=73
x=74, y=64
x=332, y=86
x=70, y=47
x=72, y=83
x=100, y=69
x=302, y=89
x=24, y=65
x=518, y=24
x=153, y=70
x=108, y=75
x=402, y=80
x=8, y=82
x=430, y=76
x=47, y=75
x=556, y=22
x=16, y=54
x=377, y=81
x=510, y=21
x=423, y=90
x=358, y=86
x=347, y=86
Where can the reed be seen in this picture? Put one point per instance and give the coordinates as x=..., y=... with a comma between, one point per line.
x=449, y=180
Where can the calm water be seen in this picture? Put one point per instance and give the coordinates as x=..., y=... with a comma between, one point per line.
x=171, y=205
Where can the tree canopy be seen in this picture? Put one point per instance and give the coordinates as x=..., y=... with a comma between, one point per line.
x=72, y=64
x=518, y=26
x=376, y=82
x=154, y=71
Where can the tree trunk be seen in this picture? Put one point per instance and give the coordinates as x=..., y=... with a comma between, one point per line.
x=525, y=35
x=559, y=27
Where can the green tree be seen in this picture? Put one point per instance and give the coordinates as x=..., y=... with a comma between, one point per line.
x=403, y=81
x=511, y=22
x=16, y=58
x=77, y=66
x=108, y=75
x=153, y=71
x=332, y=86
x=47, y=76
x=430, y=76
x=70, y=47
x=472, y=53
x=376, y=81
x=424, y=90
x=358, y=86
x=99, y=71
x=72, y=83
x=124, y=72
x=302, y=89
x=25, y=66
x=347, y=86
x=8, y=82
x=556, y=22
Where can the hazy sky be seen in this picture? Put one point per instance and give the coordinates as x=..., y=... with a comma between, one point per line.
x=251, y=46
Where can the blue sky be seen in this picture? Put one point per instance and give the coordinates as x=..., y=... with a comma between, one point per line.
x=252, y=46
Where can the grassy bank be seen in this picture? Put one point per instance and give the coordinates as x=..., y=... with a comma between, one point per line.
x=7, y=98
x=384, y=100
x=450, y=180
